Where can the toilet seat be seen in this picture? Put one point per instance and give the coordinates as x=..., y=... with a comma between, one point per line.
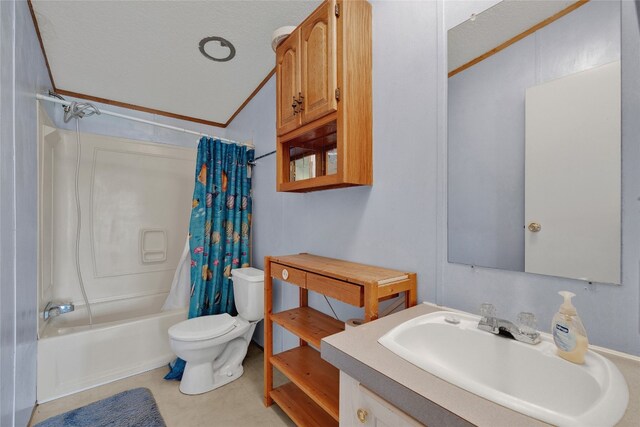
x=203, y=328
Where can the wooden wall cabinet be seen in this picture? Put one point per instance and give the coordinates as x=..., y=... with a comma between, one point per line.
x=312, y=396
x=288, y=84
x=323, y=105
x=318, y=73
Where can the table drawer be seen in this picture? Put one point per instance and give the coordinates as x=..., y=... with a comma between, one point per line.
x=343, y=291
x=289, y=274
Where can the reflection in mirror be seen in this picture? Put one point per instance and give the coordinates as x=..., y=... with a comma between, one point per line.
x=534, y=144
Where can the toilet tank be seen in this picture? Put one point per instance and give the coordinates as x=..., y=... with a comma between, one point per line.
x=248, y=291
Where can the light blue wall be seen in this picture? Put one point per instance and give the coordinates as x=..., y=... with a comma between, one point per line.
x=392, y=223
x=22, y=74
x=610, y=313
x=486, y=130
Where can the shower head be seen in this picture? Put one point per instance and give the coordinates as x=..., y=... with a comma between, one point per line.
x=79, y=110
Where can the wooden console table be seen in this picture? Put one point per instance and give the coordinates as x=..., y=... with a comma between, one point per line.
x=311, y=398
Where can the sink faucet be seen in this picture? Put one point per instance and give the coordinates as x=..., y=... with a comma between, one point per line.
x=53, y=310
x=524, y=332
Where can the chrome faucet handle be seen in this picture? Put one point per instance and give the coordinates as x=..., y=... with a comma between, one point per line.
x=55, y=309
x=487, y=310
x=524, y=331
x=527, y=323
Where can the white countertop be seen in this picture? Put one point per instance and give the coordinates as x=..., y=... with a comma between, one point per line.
x=428, y=398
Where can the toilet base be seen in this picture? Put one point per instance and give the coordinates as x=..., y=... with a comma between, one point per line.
x=202, y=377
x=198, y=379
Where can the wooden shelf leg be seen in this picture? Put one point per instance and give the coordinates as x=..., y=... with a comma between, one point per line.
x=304, y=302
x=268, y=332
x=411, y=295
x=370, y=303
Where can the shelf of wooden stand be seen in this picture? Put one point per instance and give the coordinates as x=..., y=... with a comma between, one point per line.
x=315, y=377
x=301, y=408
x=308, y=324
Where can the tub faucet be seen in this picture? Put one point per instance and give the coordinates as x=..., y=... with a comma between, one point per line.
x=524, y=332
x=56, y=309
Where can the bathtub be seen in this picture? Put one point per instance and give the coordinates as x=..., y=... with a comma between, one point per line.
x=127, y=337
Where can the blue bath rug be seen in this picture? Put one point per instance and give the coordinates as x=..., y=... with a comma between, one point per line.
x=131, y=408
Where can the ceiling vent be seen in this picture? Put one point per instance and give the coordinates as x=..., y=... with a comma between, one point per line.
x=224, y=43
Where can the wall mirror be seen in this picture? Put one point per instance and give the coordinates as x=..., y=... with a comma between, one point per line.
x=534, y=139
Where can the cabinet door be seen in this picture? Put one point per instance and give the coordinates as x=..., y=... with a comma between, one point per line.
x=288, y=84
x=361, y=408
x=318, y=68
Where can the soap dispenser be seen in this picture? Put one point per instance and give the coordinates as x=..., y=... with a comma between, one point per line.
x=568, y=331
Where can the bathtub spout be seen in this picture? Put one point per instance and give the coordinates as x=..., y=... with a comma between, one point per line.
x=53, y=310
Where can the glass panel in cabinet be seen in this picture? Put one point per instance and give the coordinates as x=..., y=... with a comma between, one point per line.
x=331, y=159
x=314, y=158
x=302, y=164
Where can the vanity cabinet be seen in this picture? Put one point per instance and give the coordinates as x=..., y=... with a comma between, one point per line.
x=323, y=100
x=312, y=396
x=361, y=407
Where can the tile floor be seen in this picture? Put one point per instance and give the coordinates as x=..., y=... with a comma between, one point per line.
x=237, y=404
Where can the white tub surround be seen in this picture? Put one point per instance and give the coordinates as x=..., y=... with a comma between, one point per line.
x=135, y=200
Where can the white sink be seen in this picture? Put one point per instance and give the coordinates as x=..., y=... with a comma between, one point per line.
x=530, y=379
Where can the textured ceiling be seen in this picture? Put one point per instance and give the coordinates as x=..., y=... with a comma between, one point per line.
x=146, y=52
x=496, y=25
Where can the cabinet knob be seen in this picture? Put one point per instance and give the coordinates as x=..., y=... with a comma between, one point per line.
x=285, y=274
x=362, y=415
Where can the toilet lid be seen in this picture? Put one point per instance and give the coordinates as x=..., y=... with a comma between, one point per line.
x=203, y=328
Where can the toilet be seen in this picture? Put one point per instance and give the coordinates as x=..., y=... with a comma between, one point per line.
x=215, y=346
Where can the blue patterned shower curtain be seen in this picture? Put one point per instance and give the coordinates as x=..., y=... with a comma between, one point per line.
x=219, y=228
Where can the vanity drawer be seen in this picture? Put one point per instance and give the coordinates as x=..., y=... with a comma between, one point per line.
x=337, y=289
x=289, y=274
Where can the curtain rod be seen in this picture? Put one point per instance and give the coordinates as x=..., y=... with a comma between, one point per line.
x=253, y=162
x=149, y=122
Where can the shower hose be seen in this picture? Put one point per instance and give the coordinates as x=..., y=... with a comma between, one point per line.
x=73, y=111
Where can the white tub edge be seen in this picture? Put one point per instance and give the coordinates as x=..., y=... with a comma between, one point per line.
x=78, y=361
